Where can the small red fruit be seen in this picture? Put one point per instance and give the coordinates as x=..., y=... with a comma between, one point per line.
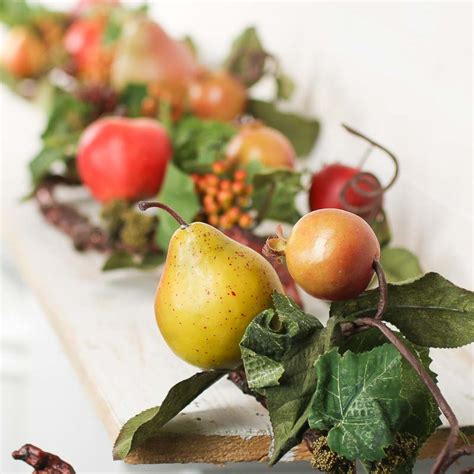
x=327, y=185
x=123, y=158
x=330, y=254
x=217, y=96
x=256, y=142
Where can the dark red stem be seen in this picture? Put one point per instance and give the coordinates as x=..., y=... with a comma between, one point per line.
x=383, y=290
x=144, y=205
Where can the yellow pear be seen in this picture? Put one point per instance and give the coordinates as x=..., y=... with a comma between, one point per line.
x=210, y=290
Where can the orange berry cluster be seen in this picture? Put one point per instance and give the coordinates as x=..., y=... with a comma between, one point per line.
x=225, y=198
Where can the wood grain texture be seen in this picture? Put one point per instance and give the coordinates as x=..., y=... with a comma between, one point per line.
x=106, y=325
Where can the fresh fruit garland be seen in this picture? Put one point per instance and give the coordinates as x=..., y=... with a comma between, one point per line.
x=353, y=390
x=287, y=355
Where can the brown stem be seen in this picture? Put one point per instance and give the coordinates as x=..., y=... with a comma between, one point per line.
x=375, y=191
x=380, y=147
x=455, y=455
x=383, y=290
x=41, y=461
x=144, y=205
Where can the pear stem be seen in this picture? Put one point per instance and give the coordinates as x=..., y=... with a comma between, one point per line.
x=144, y=205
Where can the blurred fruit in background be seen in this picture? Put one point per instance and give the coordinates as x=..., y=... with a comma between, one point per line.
x=83, y=41
x=83, y=6
x=257, y=142
x=337, y=186
x=217, y=96
x=24, y=53
x=146, y=54
x=123, y=158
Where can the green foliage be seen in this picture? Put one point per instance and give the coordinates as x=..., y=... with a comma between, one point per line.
x=67, y=119
x=301, y=131
x=132, y=98
x=121, y=260
x=248, y=61
x=148, y=423
x=20, y=12
x=199, y=143
x=178, y=192
x=430, y=311
x=381, y=227
x=399, y=264
x=422, y=416
x=279, y=349
x=275, y=194
x=357, y=400
x=137, y=229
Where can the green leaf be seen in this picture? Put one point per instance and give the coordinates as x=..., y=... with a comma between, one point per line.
x=279, y=349
x=121, y=260
x=285, y=86
x=132, y=98
x=20, y=12
x=42, y=162
x=148, y=423
x=422, y=418
x=399, y=264
x=381, y=228
x=301, y=131
x=67, y=118
x=199, y=143
x=358, y=400
x=179, y=193
x=275, y=194
x=247, y=58
x=430, y=311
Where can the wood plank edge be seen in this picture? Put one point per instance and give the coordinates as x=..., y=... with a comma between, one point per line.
x=170, y=448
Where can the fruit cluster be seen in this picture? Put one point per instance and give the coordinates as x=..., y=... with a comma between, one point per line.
x=226, y=197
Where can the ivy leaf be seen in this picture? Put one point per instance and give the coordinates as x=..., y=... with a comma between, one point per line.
x=275, y=193
x=358, y=400
x=279, y=349
x=132, y=98
x=121, y=260
x=148, y=423
x=177, y=191
x=422, y=417
x=430, y=311
x=399, y=264
x=42, y=162
x=199, y=143
x=301, y=131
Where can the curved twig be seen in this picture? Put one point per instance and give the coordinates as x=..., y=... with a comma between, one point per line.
x=144, y=205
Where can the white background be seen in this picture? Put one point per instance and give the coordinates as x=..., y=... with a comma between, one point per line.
x=400, y=72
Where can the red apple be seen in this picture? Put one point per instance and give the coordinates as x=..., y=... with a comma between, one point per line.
x=123, y=157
